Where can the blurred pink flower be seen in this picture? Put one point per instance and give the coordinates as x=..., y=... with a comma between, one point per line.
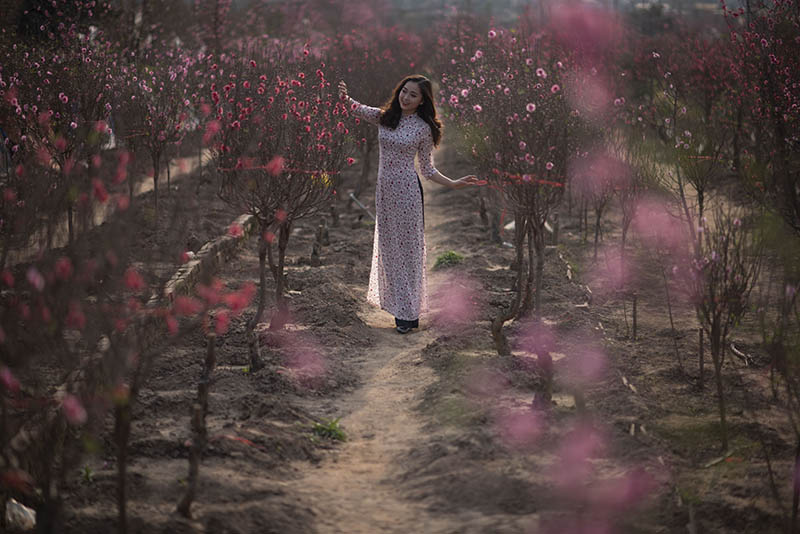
x=459, y=292
x=187, y=306
x=35, y=278
x=172, y=324
x=574, y=467
x=657, y=227
x=588, y=30
x=133, y=280
x=73, y=410
x=275, y=165
x=518, y=429
x=99, y=191
x=63, y=268
x=9, y=381
x=75, y=317
x=235, y=230
x=583, y=365
x=221, y=321
x=485, y=384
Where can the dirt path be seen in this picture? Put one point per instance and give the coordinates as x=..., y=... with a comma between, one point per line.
x=354, y=489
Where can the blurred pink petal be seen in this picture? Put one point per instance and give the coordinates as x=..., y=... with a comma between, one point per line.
x=73, y=410
x=458, y=293
x=9, y=381
x=485, y=383
x=657, y=227
x=536, y=337
x=518, y=429
x=599, y=174
x=574, y=469
x=584, y=365
x=610, y=273
x=588, y=30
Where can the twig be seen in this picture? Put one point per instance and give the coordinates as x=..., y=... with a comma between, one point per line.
x=199, y=431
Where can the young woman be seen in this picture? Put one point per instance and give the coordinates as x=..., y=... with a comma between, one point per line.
x=407, y=127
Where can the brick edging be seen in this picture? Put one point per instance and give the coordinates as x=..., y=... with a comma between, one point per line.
x=207, y=260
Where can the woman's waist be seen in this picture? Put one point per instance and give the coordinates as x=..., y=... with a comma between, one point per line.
x=393, y=170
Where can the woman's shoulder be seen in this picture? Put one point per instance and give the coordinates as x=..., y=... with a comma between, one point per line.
x=422, y=127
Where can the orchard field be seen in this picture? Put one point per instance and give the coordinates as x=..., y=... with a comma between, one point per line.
x=186, y=231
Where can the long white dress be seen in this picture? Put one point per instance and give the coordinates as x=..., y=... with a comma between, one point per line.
x=397, y=280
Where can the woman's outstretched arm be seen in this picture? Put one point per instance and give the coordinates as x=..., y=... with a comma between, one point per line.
x=358, y=109
x=430, y=172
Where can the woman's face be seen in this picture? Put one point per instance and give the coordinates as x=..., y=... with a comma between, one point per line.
x=410, y=97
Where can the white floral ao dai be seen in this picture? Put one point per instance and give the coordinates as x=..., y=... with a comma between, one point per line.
x=397, y=280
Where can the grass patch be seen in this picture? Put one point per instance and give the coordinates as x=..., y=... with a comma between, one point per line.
x=329, y=429
x=448, y=259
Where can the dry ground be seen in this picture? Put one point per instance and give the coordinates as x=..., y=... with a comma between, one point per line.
x=430, y=447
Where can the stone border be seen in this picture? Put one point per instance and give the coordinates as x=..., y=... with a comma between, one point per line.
x=207, y=260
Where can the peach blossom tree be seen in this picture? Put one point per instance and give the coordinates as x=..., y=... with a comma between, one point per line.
x=280, y=151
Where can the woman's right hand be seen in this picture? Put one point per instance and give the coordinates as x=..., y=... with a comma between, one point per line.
x=342, y=90
x=471, y=179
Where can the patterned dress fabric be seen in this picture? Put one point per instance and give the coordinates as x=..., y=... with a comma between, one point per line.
x=397, y=280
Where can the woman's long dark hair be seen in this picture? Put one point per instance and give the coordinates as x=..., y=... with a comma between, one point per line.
x=391, y=111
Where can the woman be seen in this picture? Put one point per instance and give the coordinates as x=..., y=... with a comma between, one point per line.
x=407, y=127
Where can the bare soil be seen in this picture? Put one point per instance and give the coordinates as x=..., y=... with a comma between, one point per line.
x=435, y=420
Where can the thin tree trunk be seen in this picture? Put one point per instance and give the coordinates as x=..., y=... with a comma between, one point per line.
x=622, y=256
x=169, y=187
x=795, y=489
x=500, y=340
x=4, y=255
x=50, y=232
x=252, y=341
x=70, y=224
x=530, y=279
x=156, y=171
x=556, y=228
x=122, y=428
x=598, y=214
x=130, y=189
x=715, y=355
x=671, y=321
x=585, y=210
x=199, y=430
x=538, y=243
x=281, y=316
x=702, y=360
x=482, y=210
x=737, y=157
